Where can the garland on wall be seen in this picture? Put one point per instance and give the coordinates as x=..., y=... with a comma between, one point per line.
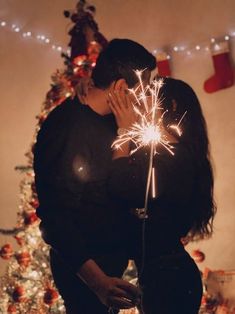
x=223, y=76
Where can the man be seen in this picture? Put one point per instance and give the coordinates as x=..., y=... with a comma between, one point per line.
x=87, y=231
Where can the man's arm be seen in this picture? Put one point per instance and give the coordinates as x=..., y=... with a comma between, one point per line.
x=60, y=188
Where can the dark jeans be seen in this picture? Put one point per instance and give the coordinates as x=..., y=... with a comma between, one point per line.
x=171, y=285
x=78, y=298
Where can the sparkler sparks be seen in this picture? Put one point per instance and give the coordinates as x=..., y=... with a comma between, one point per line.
x=149, y=130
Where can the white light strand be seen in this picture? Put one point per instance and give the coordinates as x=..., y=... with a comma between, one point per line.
x=41, y=38
x=188, y=50
x=191, y=49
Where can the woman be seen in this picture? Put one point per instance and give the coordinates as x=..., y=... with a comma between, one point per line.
x=183, y=205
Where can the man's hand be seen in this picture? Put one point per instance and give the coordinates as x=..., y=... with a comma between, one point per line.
x=117, y=293
x=111, y=291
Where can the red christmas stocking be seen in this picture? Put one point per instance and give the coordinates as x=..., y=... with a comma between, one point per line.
x=224, y=75
x=163, y=66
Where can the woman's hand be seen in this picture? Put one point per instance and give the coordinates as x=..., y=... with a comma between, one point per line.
x=122, y=109
x=117, y=293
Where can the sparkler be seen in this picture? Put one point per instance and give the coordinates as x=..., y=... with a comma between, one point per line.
x=148, y=131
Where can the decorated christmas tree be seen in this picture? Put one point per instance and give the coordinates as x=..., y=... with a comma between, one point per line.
x=27, y=285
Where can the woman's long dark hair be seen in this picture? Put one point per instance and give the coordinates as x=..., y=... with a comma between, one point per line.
x=178, y=98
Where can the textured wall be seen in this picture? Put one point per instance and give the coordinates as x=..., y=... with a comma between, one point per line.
x=26, y=67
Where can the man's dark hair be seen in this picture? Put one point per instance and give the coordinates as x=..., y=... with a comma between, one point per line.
x=118, y=60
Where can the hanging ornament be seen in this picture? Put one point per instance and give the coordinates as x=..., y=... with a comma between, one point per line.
x=19, y=240
x=34, y=203
x=50, y=296
x=23, y=259
x=224, y=73
x=30, y=217
x=6, y=251
x=19, y=294
x=11, y=309
x=163, y=65
x=198, y=256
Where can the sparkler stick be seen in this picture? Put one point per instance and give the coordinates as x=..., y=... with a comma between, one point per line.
x=147, y=132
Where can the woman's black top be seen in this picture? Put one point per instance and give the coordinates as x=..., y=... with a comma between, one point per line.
x=172, y=213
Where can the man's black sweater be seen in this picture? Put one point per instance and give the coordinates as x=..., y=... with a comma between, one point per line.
x=72, y=158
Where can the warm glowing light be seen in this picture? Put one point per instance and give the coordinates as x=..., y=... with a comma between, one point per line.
x=148, y=131
x=153, y=183
x=147, y=106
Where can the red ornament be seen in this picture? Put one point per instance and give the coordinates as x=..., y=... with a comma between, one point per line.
x=23, y=259
x=163, y=65
x=79, y=60
x=19, y=294
x=224, y=73
x=34, y=203
x=50, y=296
x=30, y=218
x=19, y=240
x=11, y=309
x=198, y=256
x=6, y=251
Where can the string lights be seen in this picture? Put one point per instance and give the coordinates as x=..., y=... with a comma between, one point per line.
x=27, y=34
x=189, y=50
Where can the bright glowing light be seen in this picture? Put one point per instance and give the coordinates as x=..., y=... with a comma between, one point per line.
x=148, y=131
x=153, y=183
x=147, y=106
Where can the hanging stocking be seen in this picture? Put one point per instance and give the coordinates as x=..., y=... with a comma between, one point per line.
x=163, y=65
x=224, y=75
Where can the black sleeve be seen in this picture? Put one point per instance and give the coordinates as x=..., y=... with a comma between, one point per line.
x=128, y=176
x=60, y=187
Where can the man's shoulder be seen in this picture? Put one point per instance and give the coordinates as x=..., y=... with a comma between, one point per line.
x=68, y=106
x=69, y=109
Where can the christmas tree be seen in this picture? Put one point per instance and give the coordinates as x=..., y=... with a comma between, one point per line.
x=27, y=285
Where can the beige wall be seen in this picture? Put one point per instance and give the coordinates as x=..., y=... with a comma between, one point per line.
x=26, y=67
